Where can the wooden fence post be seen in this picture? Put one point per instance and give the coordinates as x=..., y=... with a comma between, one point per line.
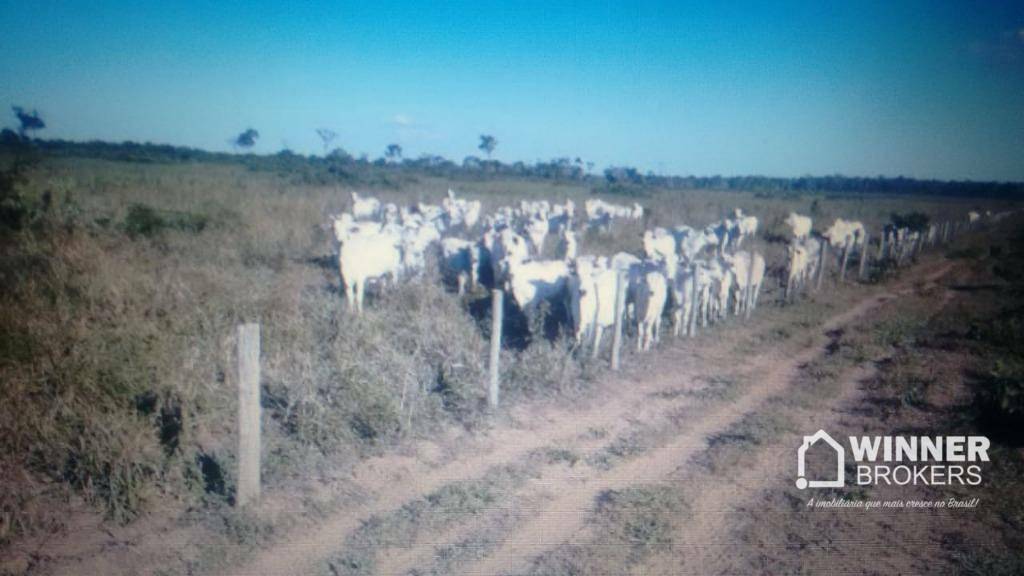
x=881, y=247
x=248, y=490
x=864, y=256
x=497, y=311
x=694, y=303
x=846, y=257
x=822, y=262
x=749, y=297
x=620, y=299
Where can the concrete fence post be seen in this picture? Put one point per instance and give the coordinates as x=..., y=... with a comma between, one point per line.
x=620, y=300
x=248, y=490
x=497, y=311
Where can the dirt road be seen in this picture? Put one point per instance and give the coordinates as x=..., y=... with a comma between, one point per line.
x=641, y=430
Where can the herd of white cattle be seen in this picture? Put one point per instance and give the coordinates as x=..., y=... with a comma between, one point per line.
x=695, y=276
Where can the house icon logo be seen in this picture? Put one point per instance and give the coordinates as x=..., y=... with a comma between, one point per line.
x=801, y=481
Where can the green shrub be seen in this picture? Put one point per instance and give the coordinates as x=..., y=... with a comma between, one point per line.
x=146, y=221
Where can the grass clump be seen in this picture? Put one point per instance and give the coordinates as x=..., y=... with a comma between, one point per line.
x=631, y=524
x=401, y=528
x=145, y=221
x=642, y=518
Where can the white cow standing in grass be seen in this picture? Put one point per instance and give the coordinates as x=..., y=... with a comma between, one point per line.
x=461, y=213
x=800, y=225
x=738, y=264
x=591, y=286
x=797, y=269
x=748, y=275
x=505, y=246
x=683, y=292
x=744, y=227
x=660, y=245
x=600, y=213
x=757, y=271
x=845, y=235
x=652, y=293
x=461, y=258
x=365, y=254
x=536, y=281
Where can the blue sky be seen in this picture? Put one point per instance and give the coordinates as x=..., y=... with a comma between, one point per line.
x=924, y=89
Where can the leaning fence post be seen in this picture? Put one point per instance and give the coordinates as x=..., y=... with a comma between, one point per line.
x=617, y=333
x=497, y=309
x=864, y=256
x=248, y=414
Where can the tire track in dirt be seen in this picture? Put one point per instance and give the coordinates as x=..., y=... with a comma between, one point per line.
x=705, y=539
x=393, y=481
x=564, y=518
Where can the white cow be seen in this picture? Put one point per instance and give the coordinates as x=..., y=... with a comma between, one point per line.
x=652, y=293
x=415, y=242
x=738, y=264
x=660, y=245
x=461, y=213
x=600, y=213
x=345, y=226
x=800, y=225
x=368, y=208
x=536, y=281
x=845, y=235
x=366, y=257
x=567, y=246
x=505, y=247
x=460, y=259
x=536, y=229
x=797, y=269
x=692, y=243
x=757, y=270
x=683, y=292
x=745, y=227
x=591, y=286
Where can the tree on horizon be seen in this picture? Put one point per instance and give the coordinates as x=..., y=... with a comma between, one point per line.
x=247, y=139
x=28, y=121
x=487, y=144
x=393, y=152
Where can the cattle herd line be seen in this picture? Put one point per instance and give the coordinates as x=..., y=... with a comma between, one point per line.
x=695, y=276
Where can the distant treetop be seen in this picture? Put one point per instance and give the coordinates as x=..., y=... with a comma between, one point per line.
x=247, y=139
x=29, y=121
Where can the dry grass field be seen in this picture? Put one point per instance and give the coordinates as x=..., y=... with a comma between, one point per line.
x=120, y=294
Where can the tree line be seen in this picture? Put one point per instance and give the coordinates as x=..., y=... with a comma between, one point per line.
x=336, y=163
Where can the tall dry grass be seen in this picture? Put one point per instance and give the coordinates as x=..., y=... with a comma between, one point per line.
x=119, y=303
